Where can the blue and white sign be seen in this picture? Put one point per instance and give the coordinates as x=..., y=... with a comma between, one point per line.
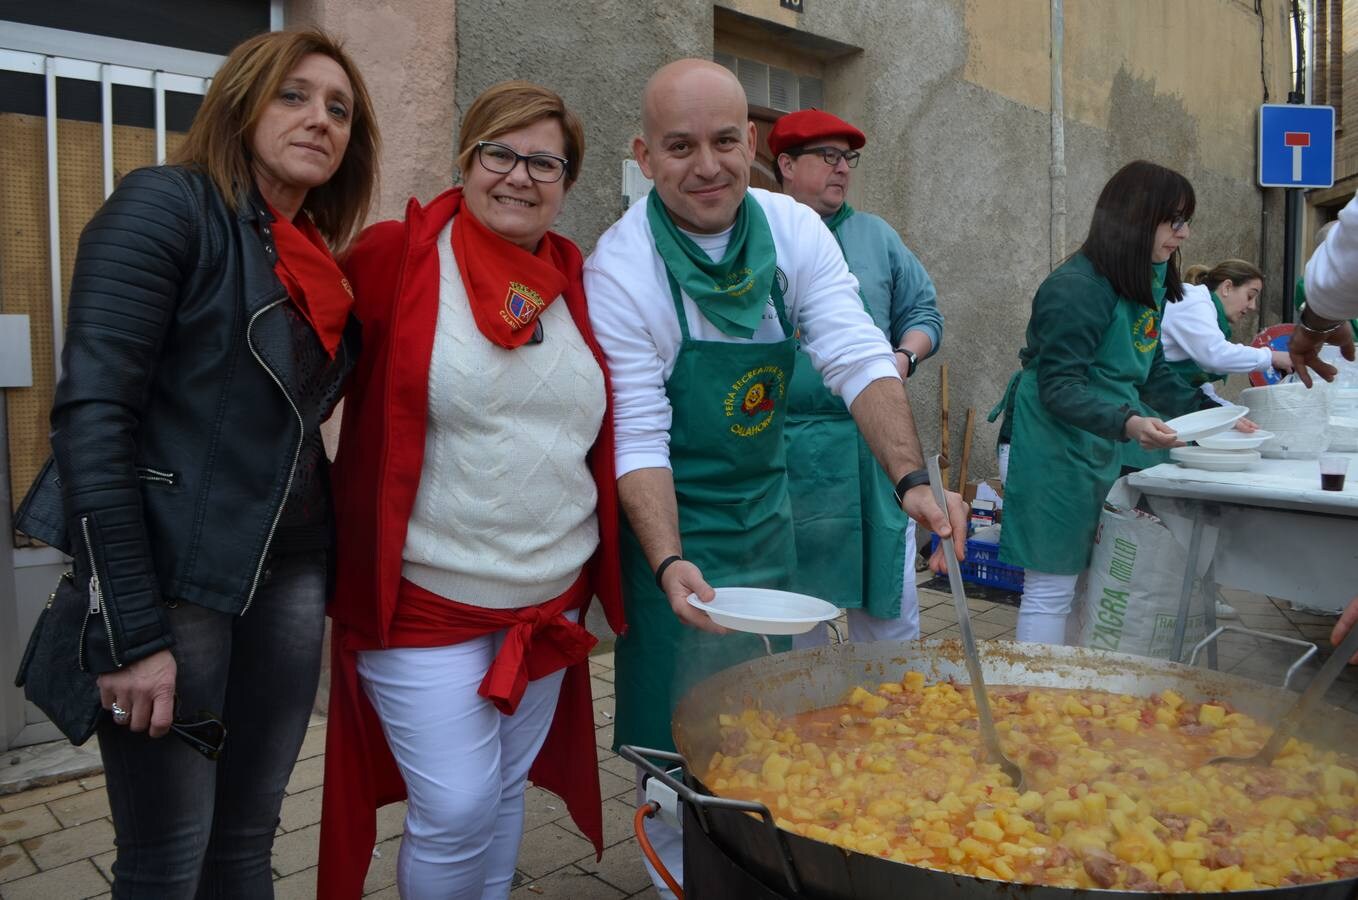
x=1296, y=146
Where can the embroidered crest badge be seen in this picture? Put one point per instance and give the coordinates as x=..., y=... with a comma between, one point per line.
x=522, y=304
x=1146, y=331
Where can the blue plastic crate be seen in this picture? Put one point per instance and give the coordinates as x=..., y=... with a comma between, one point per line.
x=982, y=566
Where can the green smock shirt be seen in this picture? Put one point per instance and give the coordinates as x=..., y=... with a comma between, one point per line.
x=850, y=532
x=728, y=402
x=1092, y=358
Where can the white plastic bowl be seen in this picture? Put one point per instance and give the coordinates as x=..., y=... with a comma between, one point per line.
x=765, y=611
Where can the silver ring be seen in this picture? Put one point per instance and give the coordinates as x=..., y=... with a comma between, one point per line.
x=120, y=715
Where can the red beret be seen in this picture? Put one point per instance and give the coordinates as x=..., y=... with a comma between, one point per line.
x=803, y=127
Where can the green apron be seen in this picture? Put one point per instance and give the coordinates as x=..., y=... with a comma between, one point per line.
x=1133, y=455
x=850, y=533
x=1059, y=475
x=729, y=403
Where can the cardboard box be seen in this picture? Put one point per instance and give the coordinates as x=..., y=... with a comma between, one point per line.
x=992, y=487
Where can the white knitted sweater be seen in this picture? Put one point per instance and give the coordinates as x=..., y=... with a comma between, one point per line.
x=505, y=512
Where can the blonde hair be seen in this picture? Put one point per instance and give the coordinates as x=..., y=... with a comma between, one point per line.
x=1236, y=271
x=218, y=142
x=1193, y=274
x=512, y=105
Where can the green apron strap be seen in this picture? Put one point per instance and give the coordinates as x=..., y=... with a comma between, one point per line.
x=1007, y=398
x=678, y=304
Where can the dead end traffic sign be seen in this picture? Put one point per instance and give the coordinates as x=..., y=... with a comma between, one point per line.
x=1296, y=145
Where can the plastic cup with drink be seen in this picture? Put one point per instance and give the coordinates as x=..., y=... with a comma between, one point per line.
x=1333, y=468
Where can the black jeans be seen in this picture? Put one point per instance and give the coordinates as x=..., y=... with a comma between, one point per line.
x=188, y=827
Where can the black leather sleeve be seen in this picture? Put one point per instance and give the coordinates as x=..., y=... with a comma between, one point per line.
x=133, y=256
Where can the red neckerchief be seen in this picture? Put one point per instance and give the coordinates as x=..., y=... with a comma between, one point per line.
x=314, y=281
x=360, y=771
x=508, y=287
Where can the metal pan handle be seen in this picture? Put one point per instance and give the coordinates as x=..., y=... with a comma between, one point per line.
x=702, y=803
x=1292, y=670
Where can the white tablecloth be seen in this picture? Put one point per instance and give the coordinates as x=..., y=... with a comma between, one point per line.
x=1276, y=531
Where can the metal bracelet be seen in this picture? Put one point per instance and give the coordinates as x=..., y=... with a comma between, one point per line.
x=1320, y=332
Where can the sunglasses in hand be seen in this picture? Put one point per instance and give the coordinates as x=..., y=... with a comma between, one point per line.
x=202, y=731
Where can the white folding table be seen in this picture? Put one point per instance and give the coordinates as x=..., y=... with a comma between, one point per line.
x=1269, y=529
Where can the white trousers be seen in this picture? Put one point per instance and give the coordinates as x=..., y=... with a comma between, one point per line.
x=465, y=764
x=864, y=627
x=1047, y=598
x=1045, y=605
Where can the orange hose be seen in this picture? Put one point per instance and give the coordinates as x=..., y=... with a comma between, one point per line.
x=644, y=812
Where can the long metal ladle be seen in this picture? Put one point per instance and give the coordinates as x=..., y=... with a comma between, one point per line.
x=990, y=741
x=1315, y=692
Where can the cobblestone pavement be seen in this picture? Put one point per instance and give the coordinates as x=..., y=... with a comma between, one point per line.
x=57, y=841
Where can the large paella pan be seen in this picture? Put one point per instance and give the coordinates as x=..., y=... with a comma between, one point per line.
x=791, y=864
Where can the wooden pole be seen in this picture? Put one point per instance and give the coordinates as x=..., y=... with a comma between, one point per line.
x=943, y=423
x=966, y=450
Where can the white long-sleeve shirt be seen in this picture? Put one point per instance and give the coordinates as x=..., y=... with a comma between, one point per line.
x=1189, y=330
x=633, y=316
x=1332, y=273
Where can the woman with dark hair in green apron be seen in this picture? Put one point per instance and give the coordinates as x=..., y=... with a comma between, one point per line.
x=1092, y=359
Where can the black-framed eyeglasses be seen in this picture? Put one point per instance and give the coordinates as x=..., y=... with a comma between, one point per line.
x=544, y=168
x=831, y=155
x=202, y=731
x=1179, y=223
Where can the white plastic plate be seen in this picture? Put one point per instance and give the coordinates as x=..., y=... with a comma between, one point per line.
x=1206, y=422
x=1236, y=440
x=1214, y=460
x=765, y=611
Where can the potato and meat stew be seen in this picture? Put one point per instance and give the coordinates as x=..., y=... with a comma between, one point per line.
x=1118, y=794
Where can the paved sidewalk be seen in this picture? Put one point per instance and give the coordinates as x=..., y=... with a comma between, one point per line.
x=56, y=842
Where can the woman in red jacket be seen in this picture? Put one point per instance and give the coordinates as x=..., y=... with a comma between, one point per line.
x=477, y=516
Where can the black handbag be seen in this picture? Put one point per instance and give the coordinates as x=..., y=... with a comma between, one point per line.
x=54, y=672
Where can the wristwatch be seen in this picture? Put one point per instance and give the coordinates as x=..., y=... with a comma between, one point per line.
x=911, y=358
x=910, y=480
x=1329, y=327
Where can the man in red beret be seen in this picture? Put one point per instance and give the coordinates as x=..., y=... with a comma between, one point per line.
x=854, y=546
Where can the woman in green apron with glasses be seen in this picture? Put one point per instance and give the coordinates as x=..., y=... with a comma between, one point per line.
x=1092, y=359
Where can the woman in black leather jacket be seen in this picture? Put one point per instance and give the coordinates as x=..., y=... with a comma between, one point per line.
x=208, y=335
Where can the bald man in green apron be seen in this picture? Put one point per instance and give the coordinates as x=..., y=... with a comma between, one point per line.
x=855, y=547
x=695, y=296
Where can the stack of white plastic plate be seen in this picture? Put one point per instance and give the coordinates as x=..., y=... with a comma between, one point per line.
x=1343, y=418
x=1214, y=460
x=1297, y=416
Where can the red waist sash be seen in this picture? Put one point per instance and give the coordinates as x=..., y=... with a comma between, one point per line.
x=360, y=773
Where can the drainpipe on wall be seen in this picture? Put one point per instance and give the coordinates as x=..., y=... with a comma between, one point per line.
x=1057, y=248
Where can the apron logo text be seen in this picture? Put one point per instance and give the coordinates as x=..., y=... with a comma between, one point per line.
x=755, y=395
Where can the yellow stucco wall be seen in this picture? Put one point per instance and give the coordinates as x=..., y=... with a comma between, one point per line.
x=1205, y=54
